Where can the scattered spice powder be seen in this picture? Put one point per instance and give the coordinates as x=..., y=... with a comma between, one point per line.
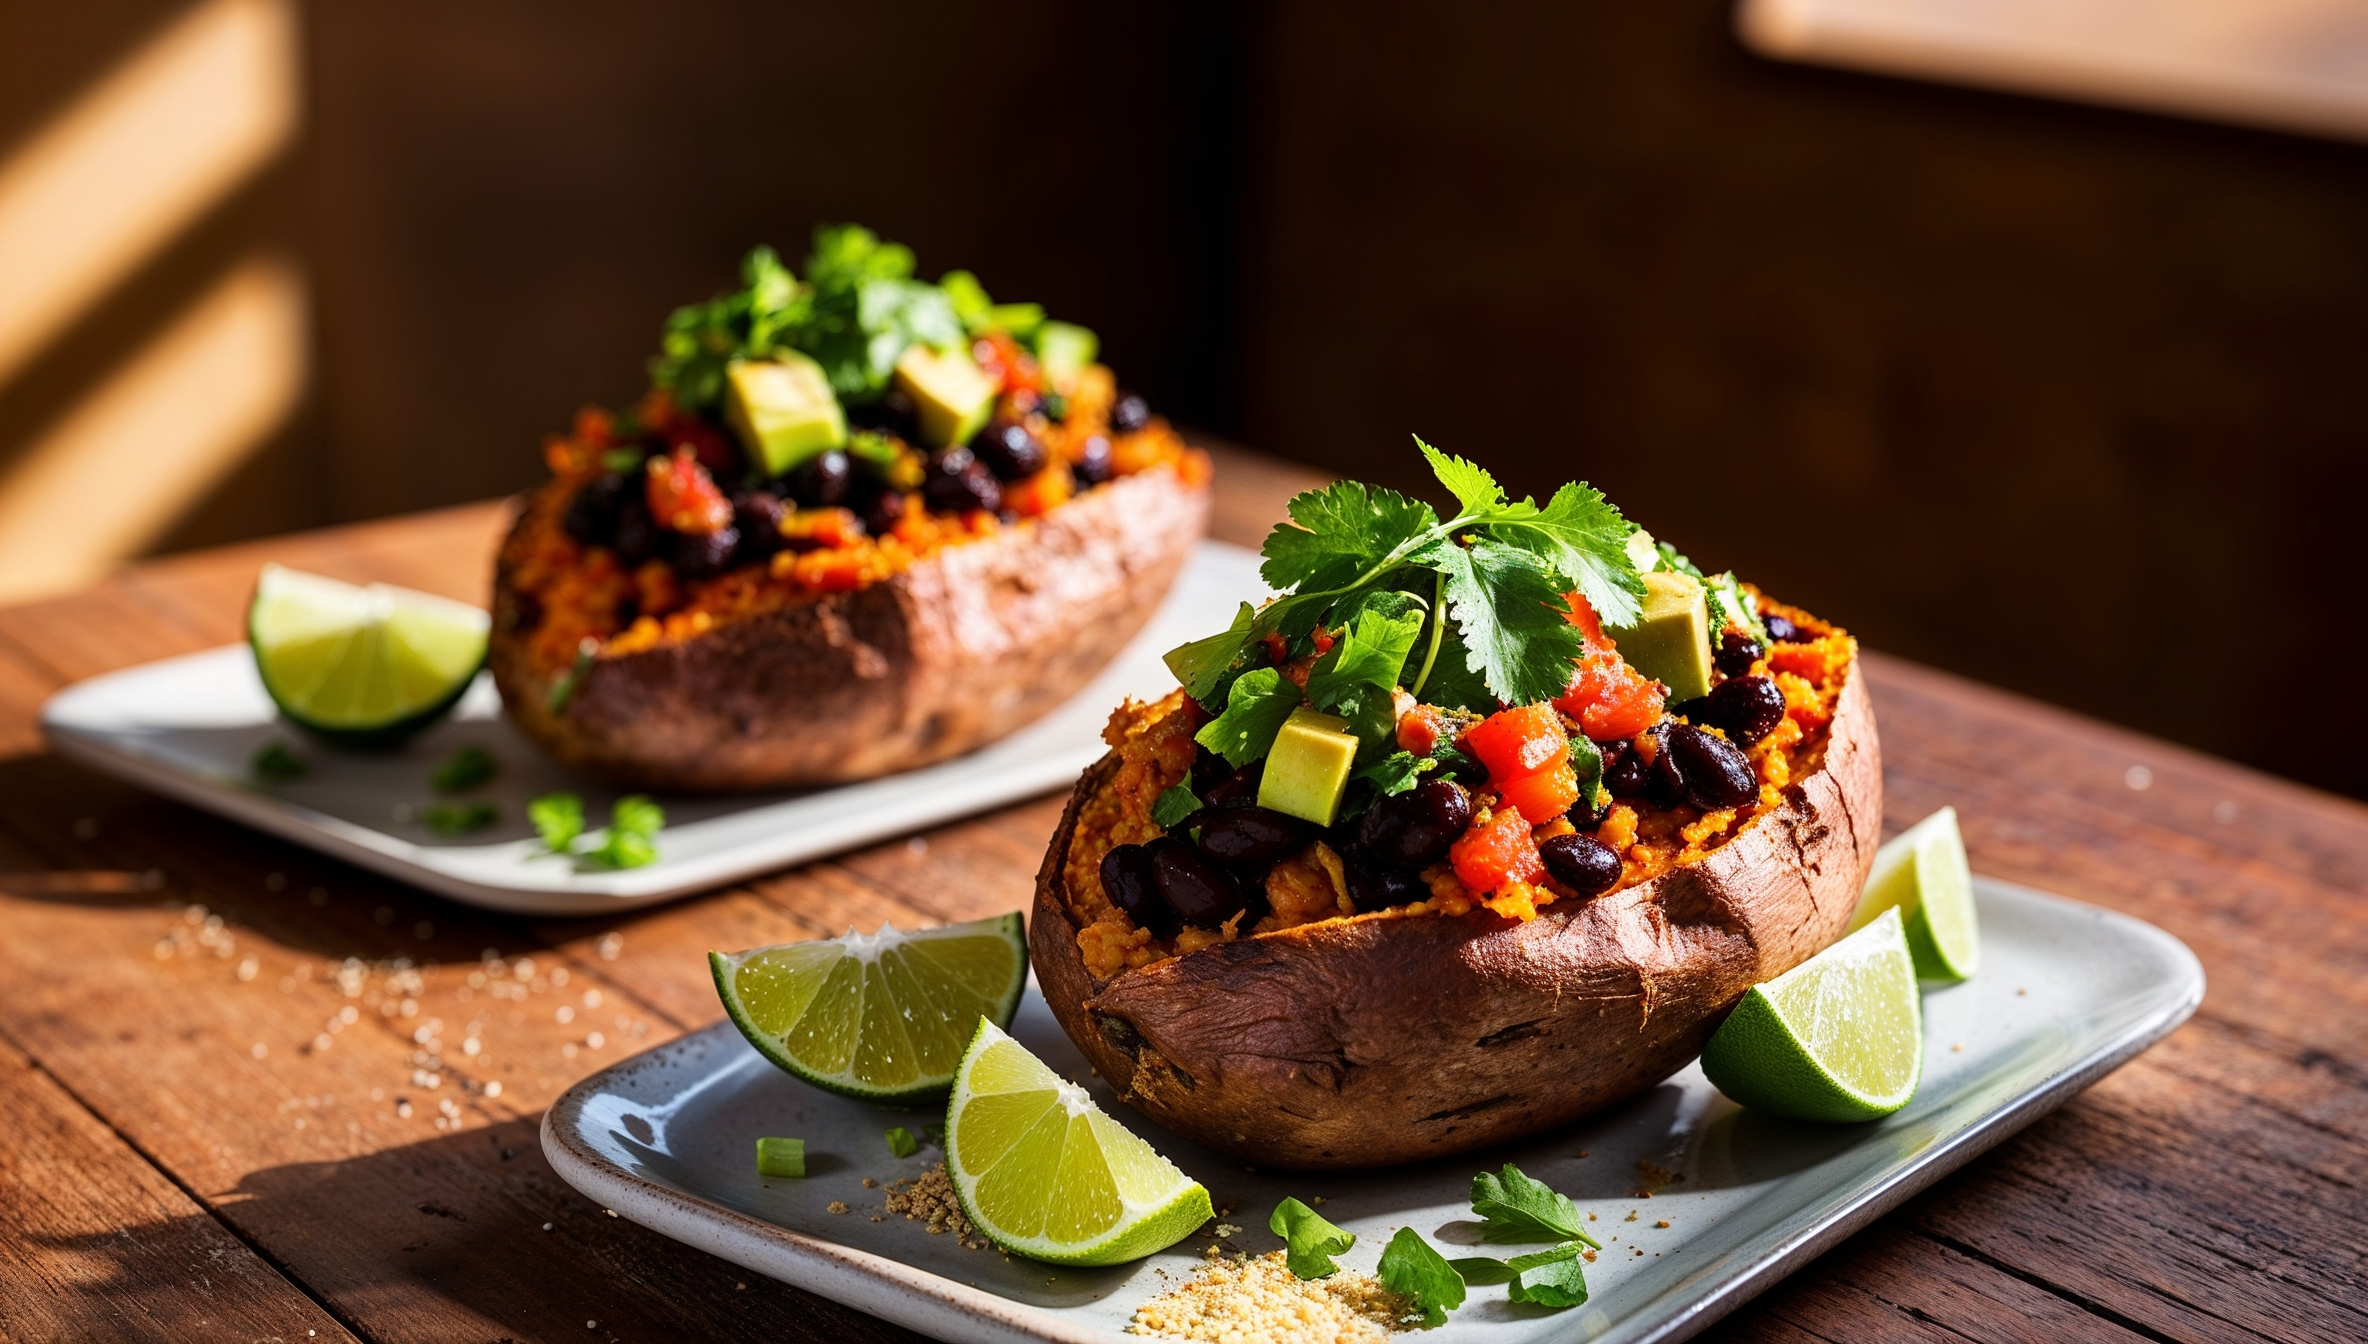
x=1235, y=1297
x=929, y=1198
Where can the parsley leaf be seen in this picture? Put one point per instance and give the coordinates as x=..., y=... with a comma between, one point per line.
x=1309, y=1240
x=1514, y=1207
x=1552, y=1278
x=1342, y=531
x=1201, y=664
x=1255, y=708
x=558, y=818
x=1409, y=1266
x=1174, y=805
x=1512, y=616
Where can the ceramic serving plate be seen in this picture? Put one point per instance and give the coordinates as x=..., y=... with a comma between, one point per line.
x=189, y=728
x=2066, y=993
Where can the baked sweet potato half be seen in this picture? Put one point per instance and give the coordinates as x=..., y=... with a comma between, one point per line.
x=859, y=523
x=1519, y=908
x=966, y=645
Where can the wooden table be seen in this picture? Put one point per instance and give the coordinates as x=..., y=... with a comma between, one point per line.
x=201, y=1145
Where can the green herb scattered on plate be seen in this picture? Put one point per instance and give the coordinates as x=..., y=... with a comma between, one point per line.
x=1309, y=1239
x=459, y=818
x=463, y=770
x=902, y=1143
x=277, y=763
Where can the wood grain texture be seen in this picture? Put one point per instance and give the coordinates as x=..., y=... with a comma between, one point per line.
x=2208, y=1191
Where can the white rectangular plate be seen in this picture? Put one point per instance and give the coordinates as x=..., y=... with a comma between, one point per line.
x=2066, y=993
x=189, y=728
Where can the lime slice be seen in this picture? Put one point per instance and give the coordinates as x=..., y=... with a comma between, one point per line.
x=1922, y=872
x=361, y=665
x=1043, y=1173
x=1838, y=1037
x=881, y=1017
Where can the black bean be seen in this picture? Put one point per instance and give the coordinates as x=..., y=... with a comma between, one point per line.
x=1746, y=709
x=958, y=483
x=883, y=514
x=1582, y=863
x=592, y=514
x=820, y=482
x=1717, y=774
x=1250, y=837
x=891, y=414
x=700, y=555
x=1374, y=883
x=1129, y=413
x=637, y=533
x=1784, y=631
x=1623, y=770
x=1132, y=887
x=1737, y=652
x=1664, y=775
x=1415, y=828
x=1239, y=789
x=1198, y=890
x=1010, y=451
x=1093, y=461
x=757, y=514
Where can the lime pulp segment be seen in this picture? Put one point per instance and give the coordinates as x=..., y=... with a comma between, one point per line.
x=341, y=658
x=881, y=1016
x=1045, y=1174
x=1839, y=1037
x=1922, y=872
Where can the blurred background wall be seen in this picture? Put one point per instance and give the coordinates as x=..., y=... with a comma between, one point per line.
x=2068, y=399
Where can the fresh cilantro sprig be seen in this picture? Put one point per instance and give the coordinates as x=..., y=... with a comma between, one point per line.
x=1174, y=805
x=1309, y=1239
x=1410, y=1266
x=1497, y=572
x=631, y=840
x=1514, y=1207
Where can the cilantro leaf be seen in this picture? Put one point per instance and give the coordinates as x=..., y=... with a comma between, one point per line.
x=1584, y=539
x=1409, y=1266
x=1470, y=483
x=1201, y=663
x=1174, y=805
x=1512, y=616
x=1365, y=662
x=1395, y=773
x=901, y=1142
x=459, y=818
x=1341, y=531
x=558, y=818
x=1255, y=708
x=277, y=763
x=463, y=770
x=1309, y=1239
x=637, y=813
x=1552, y=1278
x=624, y=849
x=1514, y=1207
x=1453, y=684
x=1479, y=1271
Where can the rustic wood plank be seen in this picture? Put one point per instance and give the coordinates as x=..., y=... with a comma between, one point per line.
x=94, y=1241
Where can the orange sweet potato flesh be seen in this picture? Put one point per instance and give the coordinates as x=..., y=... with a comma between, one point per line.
x=968, y=644
x=1384, y=1039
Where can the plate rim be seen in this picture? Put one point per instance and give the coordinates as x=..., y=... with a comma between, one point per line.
x=946, y=1309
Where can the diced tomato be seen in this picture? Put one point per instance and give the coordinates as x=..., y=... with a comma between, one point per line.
x=683, y=496
x=822, y=529
x=1611, y=700
x=1498, y=850
x=1324, y=641
x=1041, y=493
x=1582, y=615
x=1005, y=362
x=1277, y=651
x=1518, y=741
x=1543, y=796
x=1422, y=728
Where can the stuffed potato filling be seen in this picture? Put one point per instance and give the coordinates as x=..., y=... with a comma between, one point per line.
x=1339, y=766
x=806, y=437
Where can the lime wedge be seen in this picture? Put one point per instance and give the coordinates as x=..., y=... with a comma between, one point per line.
x=881, y=1017
x=1922, y=872
x=361, y=665
x=1838, y=1037
x=1043, y=1173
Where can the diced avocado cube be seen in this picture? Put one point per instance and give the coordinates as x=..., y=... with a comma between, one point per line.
x=1065, y=350
x=781, y=1157
x=1307, y=770
x=952, y=395
x=1670, y=642
x=783, y=410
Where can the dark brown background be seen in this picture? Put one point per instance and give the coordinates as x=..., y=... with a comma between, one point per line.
x=2068, y=399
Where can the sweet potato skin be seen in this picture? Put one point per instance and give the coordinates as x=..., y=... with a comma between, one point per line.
x=1386, y=1039
x=968, y=644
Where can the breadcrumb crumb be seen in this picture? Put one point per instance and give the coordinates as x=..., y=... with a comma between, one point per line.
x=929, y=1199
x=1236, y=1298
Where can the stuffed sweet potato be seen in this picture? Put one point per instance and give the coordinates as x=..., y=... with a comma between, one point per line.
x=806, y=559
x=1519, y=881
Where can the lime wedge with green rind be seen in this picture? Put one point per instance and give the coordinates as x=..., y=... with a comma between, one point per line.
x=1043, y=1173
x=1922, y=872
x=1839, y=1037
x=882, y=1017
x=361, y=665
